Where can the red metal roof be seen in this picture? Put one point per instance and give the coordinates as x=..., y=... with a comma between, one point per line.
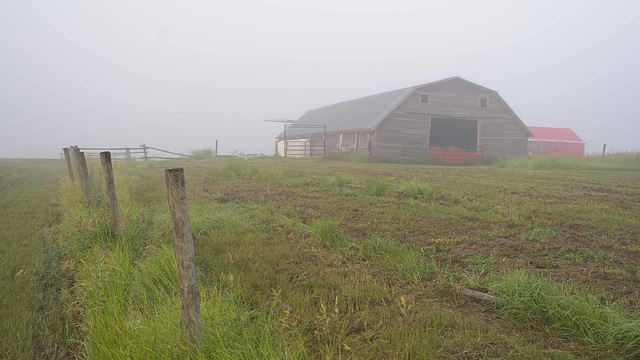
x=554, y=134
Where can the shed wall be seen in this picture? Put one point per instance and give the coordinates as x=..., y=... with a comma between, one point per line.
x=555, y=148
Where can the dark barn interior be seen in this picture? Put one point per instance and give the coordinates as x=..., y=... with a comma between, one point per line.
x=454, y=132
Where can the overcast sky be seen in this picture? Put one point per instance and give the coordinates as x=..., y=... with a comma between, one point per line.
x=180, y=74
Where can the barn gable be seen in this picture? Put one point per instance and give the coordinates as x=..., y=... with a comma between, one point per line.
x=452, y=112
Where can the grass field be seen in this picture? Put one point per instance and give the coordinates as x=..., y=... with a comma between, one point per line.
x=376, y=275
x=29, y=190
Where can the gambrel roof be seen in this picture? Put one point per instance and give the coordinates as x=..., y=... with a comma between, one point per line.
x=367, y=112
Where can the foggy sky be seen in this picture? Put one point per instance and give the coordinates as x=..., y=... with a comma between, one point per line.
x=179, y=75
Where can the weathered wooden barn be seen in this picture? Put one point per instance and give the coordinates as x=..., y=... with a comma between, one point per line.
x=452, y=118
x=555, y=142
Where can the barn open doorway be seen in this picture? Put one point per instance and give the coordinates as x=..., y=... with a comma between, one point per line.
x=454, y=133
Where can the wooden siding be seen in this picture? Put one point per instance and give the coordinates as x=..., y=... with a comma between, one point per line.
x=355, y=142
x=405, y=132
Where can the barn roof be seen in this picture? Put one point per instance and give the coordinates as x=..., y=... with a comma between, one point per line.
x=554, y=134
x=367, y=112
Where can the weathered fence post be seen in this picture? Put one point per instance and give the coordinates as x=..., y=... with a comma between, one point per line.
x=67, y=160
x=74, y=152
x=185, y=254
x=604, y=148
x=110, y=190
x=216, y=153
x=127, y=153
x=83, y=175
x=144, y=148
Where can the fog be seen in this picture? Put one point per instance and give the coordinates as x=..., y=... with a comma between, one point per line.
x=181, y=75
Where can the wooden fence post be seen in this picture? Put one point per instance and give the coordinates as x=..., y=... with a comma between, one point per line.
x=67, y=160
x=185, y=254
x=110, y=190
x=144, y=148
x=83, y=175
x=216, y=153
x=74, y=152
x=127, y=153
x=604, y=148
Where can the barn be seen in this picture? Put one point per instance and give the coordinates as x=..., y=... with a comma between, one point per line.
x=451, y=118
x=555, y=141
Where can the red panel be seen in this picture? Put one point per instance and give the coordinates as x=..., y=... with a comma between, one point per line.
x=565, y=149
x=456, y=157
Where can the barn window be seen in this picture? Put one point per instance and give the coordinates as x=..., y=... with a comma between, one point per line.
x=424, y=98
x=483, y=102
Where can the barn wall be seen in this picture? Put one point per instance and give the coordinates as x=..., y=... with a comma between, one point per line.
x=351, y=141
x=502, y=137
x=405, y=132
x=359, y=141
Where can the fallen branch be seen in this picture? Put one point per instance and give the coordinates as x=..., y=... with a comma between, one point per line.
x=305, y=228
x=481, y=296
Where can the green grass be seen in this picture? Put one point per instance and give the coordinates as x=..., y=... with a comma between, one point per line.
x=610, y=162
x=373, y=278
x=126, y=290
x=376, y=187
x=204, y=153
x=539, y=300
x=30, y=325
x=407, y=261
x=421, y=191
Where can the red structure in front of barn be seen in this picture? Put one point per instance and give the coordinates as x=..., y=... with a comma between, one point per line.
x=555, y=142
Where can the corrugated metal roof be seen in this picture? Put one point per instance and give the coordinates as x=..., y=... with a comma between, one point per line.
x=554, y=134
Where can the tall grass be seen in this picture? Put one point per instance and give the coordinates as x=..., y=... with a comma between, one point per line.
x=329, y=233
x=536, y=299
x=377, y=187
x=612, y=162
x=126, y=301
x=421, y=191
x=268, y=291
x=406, y=261
x=31, y=325
x=204, y=153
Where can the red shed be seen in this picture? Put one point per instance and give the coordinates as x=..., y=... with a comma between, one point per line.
x=555, y=141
